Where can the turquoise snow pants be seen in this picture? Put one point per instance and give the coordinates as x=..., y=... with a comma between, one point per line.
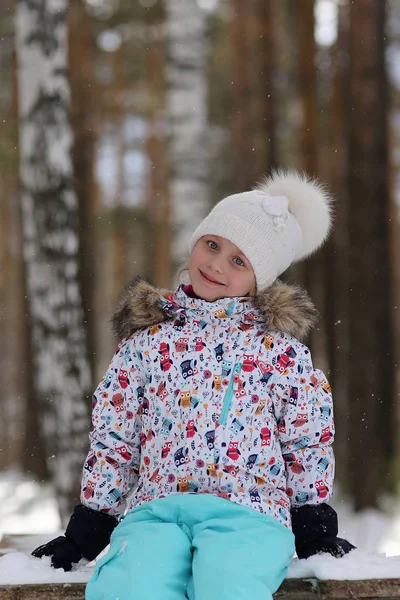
x=195, y=546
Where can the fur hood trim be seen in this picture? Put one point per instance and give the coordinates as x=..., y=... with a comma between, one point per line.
x=284, y=307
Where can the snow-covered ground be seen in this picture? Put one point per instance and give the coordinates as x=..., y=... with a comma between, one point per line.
x=30, y=509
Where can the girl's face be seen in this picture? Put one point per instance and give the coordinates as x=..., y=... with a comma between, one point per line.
x=218, y=269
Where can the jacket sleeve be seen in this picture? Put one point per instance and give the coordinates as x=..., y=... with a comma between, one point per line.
x=111, y=468
x=304, y=412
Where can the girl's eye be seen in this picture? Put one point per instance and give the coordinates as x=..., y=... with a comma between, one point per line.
x=211, y=244
x=239, y=261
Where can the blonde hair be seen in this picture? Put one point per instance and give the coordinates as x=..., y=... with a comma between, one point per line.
x=181, y=270
x=185, y=267
x=253, y=290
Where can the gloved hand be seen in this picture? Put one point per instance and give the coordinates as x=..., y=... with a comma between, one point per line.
x=63, y=553
x=315, y=527
x=87, y=534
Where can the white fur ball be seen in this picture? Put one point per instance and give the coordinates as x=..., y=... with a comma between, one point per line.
x=309, y=202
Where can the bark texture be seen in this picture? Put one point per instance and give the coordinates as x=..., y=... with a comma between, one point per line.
x=51, y=243
x=371, y=375
x=186, y=101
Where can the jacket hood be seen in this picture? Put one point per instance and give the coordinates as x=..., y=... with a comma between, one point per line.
x=281, y=307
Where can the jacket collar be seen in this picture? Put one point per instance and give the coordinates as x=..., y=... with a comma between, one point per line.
x=281, y=307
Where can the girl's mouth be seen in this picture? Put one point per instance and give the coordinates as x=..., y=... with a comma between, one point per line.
x=209, y=279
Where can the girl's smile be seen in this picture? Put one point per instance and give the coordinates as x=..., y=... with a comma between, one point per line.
x=210, y=279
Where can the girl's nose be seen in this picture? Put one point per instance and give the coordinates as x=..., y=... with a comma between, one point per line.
x=217, y=265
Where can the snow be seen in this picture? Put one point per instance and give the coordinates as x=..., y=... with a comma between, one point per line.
x=30, y=509
x=355, y=565
x=18, y=568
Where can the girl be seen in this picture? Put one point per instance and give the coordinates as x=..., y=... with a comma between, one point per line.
x=212, y=430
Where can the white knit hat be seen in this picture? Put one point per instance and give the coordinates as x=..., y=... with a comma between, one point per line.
x=284, y=219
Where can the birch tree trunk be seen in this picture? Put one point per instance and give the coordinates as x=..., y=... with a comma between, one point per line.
x=186, y=101
x=50, y=231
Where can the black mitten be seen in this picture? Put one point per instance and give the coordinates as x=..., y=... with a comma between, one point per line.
x=87, y=534
x=315, y=527
x=63, y=553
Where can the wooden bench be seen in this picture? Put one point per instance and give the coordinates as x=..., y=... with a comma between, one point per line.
x=291, y=589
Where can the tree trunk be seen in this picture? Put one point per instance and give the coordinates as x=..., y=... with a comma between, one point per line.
x=11, y=314
x=158, y=204
x=119, y=223
x=289, y=109
x=308, y=88
x=371, y=404
x=313, y=270
x=243, y=97
x=267, y=22
x=286, y=79
x=51, y=242
x=254, y=118
x=394, y=144
x=337, y=257
x=186, y=102
x=83, y=122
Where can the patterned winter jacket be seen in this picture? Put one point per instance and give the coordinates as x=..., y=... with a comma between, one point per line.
x=214, y=398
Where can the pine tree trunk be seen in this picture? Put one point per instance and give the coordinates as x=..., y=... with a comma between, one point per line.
x=186, y=102
x=308, y=88
x=267, y=126
x=243, y=99
x=286, y=76
x=314, y=268
x=337, y=264
x=288, y=126
x=371, y=402
x=11, y=313
x=394, y=53
x=51, y=242
x=83, y=122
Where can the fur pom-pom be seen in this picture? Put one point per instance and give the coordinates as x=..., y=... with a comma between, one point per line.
x=309, y=202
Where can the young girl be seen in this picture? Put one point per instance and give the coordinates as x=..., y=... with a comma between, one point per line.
x=212, y=430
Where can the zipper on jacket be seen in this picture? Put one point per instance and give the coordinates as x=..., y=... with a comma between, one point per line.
x=227, y=403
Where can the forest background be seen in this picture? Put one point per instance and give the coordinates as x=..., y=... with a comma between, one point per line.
x=121, y=123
